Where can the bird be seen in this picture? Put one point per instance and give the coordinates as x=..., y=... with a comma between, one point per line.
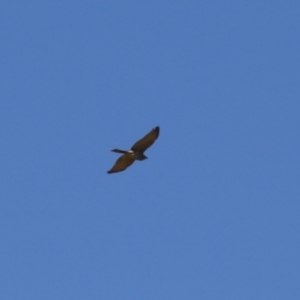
x=135, y=153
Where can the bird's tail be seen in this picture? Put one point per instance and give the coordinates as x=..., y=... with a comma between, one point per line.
x=119, y=151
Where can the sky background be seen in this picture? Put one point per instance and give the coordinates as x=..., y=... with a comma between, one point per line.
x=213, y=213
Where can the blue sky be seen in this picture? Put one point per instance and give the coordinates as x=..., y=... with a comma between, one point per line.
x=213, y=213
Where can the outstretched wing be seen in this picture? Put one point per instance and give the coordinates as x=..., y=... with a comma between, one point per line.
x=122, y=163
x=144, y=143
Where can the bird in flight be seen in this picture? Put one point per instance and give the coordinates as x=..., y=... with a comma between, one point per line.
x=136, y=152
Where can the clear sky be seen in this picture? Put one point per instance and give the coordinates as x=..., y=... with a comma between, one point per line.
x=214, y=213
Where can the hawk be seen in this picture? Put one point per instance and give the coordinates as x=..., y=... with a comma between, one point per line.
x=136, y=152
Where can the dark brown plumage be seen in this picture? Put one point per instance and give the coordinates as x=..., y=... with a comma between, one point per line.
x=136, y=152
